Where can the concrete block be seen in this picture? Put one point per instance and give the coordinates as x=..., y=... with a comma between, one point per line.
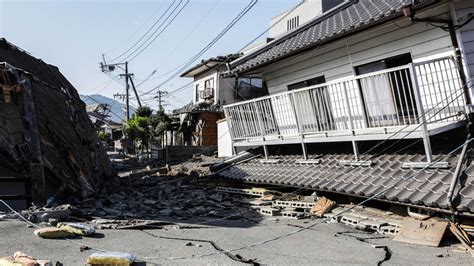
x=293, y=204
x=293, y=214
x=388, y=230
x=269, y=211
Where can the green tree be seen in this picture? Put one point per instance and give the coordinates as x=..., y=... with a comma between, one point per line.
x=144, y=111
x=146, y=127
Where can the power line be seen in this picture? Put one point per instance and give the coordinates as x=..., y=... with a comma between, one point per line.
x=246, y=9
x=146, y=33
x=156, y=36
x=132, y=36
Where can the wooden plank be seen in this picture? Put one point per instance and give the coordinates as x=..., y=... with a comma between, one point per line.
x=428, y=233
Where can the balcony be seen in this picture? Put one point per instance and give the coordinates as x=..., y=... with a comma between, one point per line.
x=206, y=93
x=391, y=103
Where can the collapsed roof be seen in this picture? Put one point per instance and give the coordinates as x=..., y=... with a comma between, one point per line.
x=46, y=134
x=326, y=171
x=207, y=64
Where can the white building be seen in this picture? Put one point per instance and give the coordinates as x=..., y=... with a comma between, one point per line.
x=392, y=78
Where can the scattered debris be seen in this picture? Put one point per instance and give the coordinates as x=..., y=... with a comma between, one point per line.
x=52, y=233
x=111, y=258
x=77, y=228
x=322, y=206
x=20, y=258
x=429, y=232
x=462, y=236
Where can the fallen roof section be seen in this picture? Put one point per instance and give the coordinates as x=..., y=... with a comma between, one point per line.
x=329, y=172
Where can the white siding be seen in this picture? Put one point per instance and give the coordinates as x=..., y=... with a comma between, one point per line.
x=224, y=141
x=338, y=59
x=224, y=88
x=305, y=12
x=201, y=79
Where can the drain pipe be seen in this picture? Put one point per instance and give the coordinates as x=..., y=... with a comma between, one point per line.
x=454, y=181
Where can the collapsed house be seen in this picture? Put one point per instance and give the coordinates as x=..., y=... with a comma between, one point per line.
x=48, y=146
x=367, y=96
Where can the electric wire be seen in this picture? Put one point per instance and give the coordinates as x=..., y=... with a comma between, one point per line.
x=209, y=45
x=145, y=34
x=157, y=35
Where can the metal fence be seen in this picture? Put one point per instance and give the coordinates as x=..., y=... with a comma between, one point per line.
x=407, y=95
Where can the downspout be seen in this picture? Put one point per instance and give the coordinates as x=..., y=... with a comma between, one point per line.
x=455, y=179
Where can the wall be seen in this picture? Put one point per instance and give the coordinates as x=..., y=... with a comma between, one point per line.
x=338, y=59
x=466, y=35
x=224, y=87
x=224, y=141
x=307, y=11
x=209, y=134
x=183, y=153
x=199, y=81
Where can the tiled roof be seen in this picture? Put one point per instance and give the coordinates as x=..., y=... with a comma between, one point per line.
x=345, y=19
x=426, y=189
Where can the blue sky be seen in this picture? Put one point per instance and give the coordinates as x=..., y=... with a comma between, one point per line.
x=73, y=35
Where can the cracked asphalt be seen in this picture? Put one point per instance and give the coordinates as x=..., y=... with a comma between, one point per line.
x=328, y=244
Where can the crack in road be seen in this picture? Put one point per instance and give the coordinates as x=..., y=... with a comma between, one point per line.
x=235, y=257
x=388, y=252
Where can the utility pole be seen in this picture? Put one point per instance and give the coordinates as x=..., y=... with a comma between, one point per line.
x=128, y=77
x=160, y=98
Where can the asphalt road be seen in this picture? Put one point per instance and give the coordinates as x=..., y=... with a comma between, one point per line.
x=328, y=244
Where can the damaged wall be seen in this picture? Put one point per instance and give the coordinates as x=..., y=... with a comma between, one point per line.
x=45, y=132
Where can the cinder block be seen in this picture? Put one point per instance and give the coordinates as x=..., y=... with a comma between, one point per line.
x=388, y=230
x=293, y=214
x=293, y=204
x=269, y=211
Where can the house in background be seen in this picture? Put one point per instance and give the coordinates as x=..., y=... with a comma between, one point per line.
x=362, y=97
x=196, y=123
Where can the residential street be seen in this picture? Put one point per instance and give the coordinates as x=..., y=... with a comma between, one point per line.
x=260, y=132
x=323, y=245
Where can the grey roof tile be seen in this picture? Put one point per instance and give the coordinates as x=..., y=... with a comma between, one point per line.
x=427, y=188
x=332, y=24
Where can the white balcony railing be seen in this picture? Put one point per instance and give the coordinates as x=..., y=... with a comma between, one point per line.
x=362, y=105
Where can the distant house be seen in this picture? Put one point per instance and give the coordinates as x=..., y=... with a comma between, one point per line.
x=100, y=118
x=396, y=74
x=197, y=120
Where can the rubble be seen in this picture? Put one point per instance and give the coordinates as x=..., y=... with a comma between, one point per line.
x=46, y=135
x=21, y=258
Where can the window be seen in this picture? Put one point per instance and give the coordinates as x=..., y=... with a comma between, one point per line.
x=209, y=84
x=391, y=90
x=249, y=88
x=307, y=83
x=208, y=91
x=293, y=23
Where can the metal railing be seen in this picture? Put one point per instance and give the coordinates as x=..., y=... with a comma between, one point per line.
x=400, y=96
x=206, y=93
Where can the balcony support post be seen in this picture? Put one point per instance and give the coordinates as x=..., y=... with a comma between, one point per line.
x=298, y=125
x=355, y=147
x=265, y=151
x=421, y=114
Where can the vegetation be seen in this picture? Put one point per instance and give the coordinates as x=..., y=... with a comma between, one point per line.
x=146, y=127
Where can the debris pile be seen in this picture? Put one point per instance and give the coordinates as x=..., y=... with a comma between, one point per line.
x=46, y=135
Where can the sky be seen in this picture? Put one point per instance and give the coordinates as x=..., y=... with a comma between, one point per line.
x=73, y=35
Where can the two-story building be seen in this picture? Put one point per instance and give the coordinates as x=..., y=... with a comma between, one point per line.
x=367, y=95
x=198, y=120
